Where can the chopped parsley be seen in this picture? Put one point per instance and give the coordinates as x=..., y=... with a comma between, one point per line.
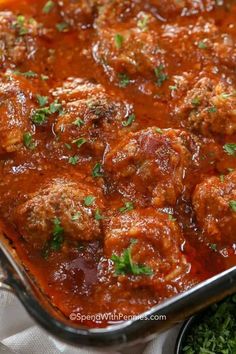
x=79, y=142
x=230, y=149
x=171, y=217
x=222, y=178
x=119, y=40
x=213, y=246
x=44, y=77
x=68, y=146
x=28, y=74
x=160, y=75
x=173, y=87
x=212, y=109
x=143, y=23
x=232, y=205
x=42, y=100
x=97, y=170
x=127, y=207
x=20, y=25
x=131, y=118
x=124, y=80
x=202, y=45
x=73, y=160
x=89, y=200
x=62, y=27
x=57, y=239
x=48, y=7
x=41, y=114
x=76, y=216
x=214, y=333
x=98, y=215
x=78, y=122
x=159, y=131
x=124, y=265
x=28, y=141
x=196, y=101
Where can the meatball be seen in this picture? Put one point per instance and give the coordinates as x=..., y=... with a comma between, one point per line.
x=210, y=107
x=71, y=205
x=154, y=242
x=150, y=162
x=90, y=114
x=214, y=202
x=184, y=7
x=133, y=52
x=18, y=38
x=79, y=12
x=16, y=105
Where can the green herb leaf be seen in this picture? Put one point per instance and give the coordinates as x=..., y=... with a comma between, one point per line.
x=230, y=149
x=160, y=74
x=124, y=80
x=124, y=265
x=57, y=240
x=89, y=200
x=212, y=109
x=143, y=23
x=202, y=45
x=79, y=122
x=40, y=115
x=196, y=101
x=98, y=215
x=62, y=27
x=232, y=205
x=76, y=216
x=127, y=207
x=159, y=131
x=73, y=160
x=119, y=40
x=28, y=141
x=131, y=118
x=48, y=7
x=79, y=142
x=97, y=170
x=42, y=100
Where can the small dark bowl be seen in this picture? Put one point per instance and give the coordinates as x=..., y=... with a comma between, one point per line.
x=184, y=331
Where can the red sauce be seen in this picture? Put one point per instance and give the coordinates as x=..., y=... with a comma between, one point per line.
x=149, y=87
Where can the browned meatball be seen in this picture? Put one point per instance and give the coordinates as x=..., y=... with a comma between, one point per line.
x=151, y=163
x=214, y=202
x=184, y=7
x=16, y=105
x=210, y=107
x=19, y=38
x=154, y=245
x=90, y=114
x=69, y=204
x=79, y=12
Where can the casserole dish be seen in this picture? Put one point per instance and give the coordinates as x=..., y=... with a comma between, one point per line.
x=117, y=162
x=15, y=279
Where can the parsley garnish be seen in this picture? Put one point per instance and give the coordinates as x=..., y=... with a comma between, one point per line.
x=232, y=205
x=48, y=7
x=79, y=142
x=143, y=23
x=98, y=215
x=171, y=217
x=230, y=149
x=73, y=160
x=202, y=45
x=20, y=25
x=62, y=27
x=131, y=118
x=213, y=246
x=41, y=114
x=42, y=100
x=212, y=109
x=78, y=122
x=119, y=40
x=160, y=74
x=57, y=239
x=97, y=170
x=127, y=207
x=159, y=131
x=27, y=74
x=76, y=216
x=89, y=200
x=196, y=101
x=124, y=265
x=28, y=141
x=215, y=331
x=124, y=80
